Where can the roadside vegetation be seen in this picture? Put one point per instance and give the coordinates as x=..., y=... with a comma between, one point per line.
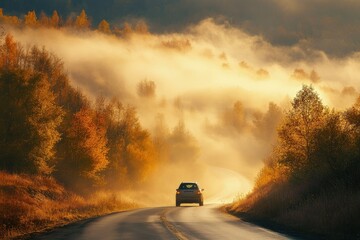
x=31, y=203
x=57, y=148
x=311, y=181
x=66, y=157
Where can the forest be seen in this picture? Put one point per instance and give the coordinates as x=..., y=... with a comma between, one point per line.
x=82, y=22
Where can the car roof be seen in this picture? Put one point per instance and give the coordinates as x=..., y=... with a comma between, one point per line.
x=189, y=183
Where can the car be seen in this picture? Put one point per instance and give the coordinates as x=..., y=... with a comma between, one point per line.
x=189, y=192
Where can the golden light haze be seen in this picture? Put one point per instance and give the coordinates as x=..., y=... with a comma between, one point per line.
x=199, y=76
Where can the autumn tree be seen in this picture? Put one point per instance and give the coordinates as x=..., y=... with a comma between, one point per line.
x=183, y=146
x=31, y=19
x=10, y=53
x=131, y=153
x=234, y=118
x=352, y=116
x=141, y=27
x=127, y=30
x=296, y=134
x=55, y=20
x=104, y=27
x=87, y=151
x=332, y=145
x=265, y=125
x=146, y=88
x=44, y=20
x=30, y=116
x=44, y=121
x=13, y=20
x=82, y=21
x=161, y=135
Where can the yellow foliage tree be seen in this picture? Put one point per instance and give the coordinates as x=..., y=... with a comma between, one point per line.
x=296, y=135
x=31, y=19
x=55, y=20
x=127, y=30
x=13, y=20
x=44, y=20
x=29, y=113
x=82, y=21
x=10, y=53
x=87, y=142
x=141, y=27
x=104, y=27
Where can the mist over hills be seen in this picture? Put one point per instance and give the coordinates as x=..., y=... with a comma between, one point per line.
x=330, y=27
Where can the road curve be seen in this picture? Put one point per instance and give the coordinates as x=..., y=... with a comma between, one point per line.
x=186, y=222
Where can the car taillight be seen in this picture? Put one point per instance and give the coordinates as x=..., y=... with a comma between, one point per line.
x=177, y=192
x=199, y=192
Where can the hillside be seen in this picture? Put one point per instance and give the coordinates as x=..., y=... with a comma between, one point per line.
x=31, y=203
x=310, y=181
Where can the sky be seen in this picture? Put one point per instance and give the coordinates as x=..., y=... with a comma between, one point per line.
x=227, y=70
x=328, y=25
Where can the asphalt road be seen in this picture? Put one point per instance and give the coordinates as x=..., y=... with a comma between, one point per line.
x=185, y=222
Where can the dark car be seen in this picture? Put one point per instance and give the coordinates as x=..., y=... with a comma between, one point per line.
x=189, y=192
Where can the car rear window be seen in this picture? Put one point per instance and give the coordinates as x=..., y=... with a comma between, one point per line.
x=188, y=186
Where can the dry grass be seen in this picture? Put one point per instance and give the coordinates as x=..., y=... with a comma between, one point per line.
x=34, y=203
x=333, y=212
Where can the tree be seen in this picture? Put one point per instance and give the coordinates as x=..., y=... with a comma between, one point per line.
x=146, y=88
x=10, y=53
x=31, y=19
x=44, y=119
x=296, y=135
x=82, y=21
x=44, y=20
x=137, y=147
x=87, y=146
x=184, y=148
x=127, y=30
x=161, y=135
x=265, y=125
x=104, y=27
x=29, y=122
x=55, y=20
x=353, y=115
x=132, y=153
x=234, y=118
x=13, y=20
x=332, y=145
x=141, y=27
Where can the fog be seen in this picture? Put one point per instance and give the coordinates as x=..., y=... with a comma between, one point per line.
x=227, y=87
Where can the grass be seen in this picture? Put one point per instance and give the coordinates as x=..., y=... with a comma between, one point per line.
x=34, y=203
x=333, y=212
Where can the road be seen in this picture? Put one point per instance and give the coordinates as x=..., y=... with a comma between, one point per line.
x=185, y=222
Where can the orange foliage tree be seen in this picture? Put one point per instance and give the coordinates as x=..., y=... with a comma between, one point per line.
x=104, y=27
x=131, y=155
x=82, y=21
x=31, y=19
x=87, y=145
x=30, y=116
x=55, y=20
